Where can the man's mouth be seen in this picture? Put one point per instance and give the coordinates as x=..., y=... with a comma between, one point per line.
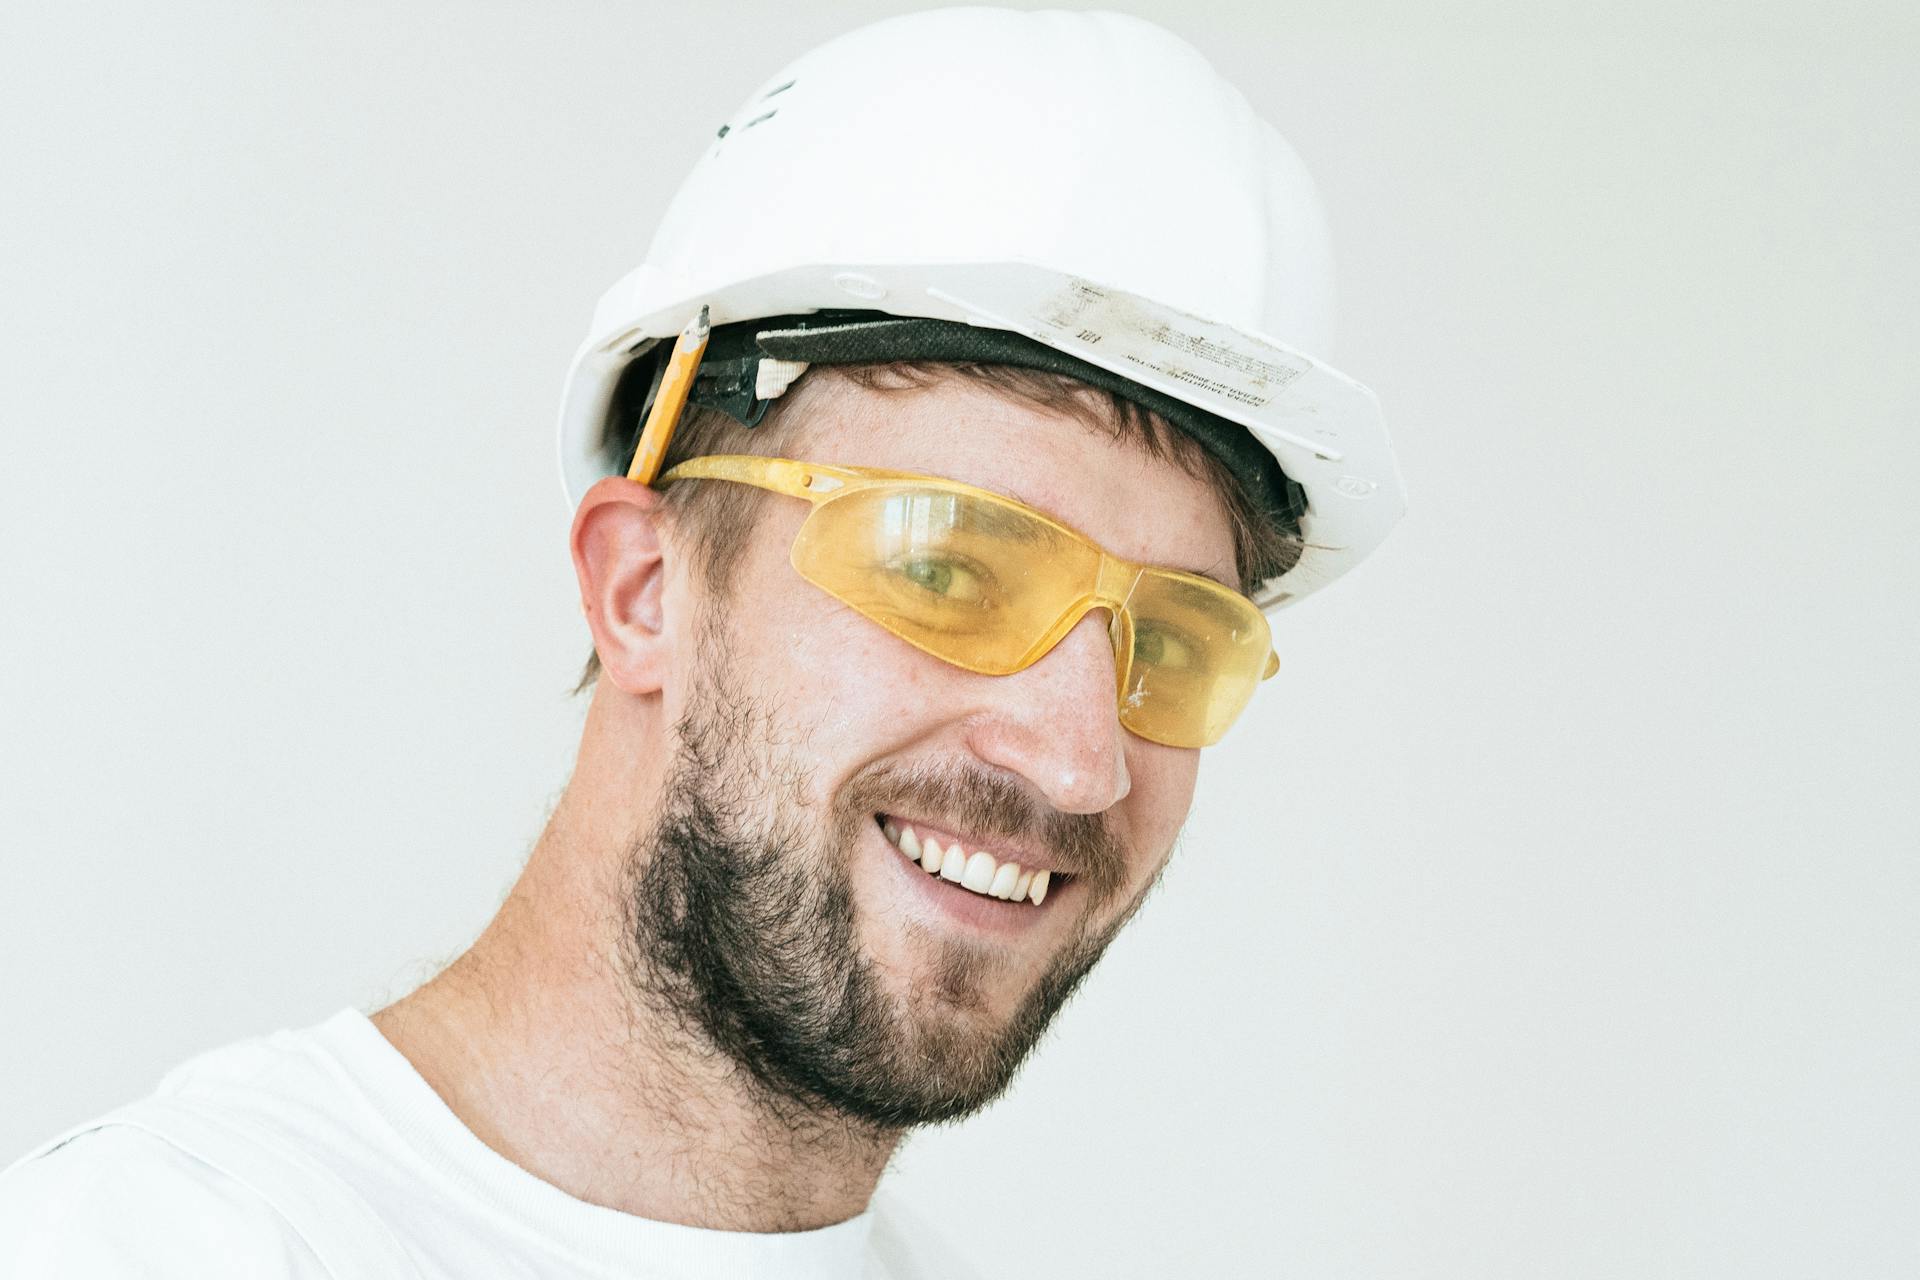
x=978, y=870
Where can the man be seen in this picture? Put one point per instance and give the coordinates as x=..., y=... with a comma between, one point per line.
x=965, y=512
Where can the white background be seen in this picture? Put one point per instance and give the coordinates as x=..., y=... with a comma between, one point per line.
x=1556, y=913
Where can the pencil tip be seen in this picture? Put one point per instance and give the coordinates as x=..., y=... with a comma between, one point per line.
x=700, y=322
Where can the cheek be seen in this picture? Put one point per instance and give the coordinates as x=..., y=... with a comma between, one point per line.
x=1162, y=794
x=866, y=685
x=838, y=679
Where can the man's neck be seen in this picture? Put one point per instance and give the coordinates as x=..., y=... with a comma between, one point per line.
x=539, y=1043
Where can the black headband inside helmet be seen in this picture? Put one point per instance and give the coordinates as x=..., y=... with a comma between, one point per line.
x=730, y=378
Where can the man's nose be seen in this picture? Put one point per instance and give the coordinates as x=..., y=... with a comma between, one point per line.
x=1057, y=723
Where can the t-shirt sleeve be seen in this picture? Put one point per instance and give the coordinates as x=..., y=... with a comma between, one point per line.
x=118, y=1203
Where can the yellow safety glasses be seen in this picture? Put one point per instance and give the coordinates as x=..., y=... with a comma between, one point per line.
x=990, y=585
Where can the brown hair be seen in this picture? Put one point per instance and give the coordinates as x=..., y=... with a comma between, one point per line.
x=715, y=520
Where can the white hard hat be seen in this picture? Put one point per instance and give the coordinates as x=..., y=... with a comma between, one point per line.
x=1084, y=179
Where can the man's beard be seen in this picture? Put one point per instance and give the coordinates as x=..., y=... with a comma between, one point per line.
x=743, y=929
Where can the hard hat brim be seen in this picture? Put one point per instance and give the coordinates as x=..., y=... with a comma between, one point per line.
x=1324, y=429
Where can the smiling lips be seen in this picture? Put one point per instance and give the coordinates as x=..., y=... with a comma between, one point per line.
x=979, y=871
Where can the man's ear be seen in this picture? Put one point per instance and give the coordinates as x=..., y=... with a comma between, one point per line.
x=617, y=558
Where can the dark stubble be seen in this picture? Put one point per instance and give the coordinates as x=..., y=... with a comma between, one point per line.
x=742, y=924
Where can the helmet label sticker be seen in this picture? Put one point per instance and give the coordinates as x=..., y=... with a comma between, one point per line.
x=1206, y=357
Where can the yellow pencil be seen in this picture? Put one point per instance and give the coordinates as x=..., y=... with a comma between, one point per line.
x=674, y=389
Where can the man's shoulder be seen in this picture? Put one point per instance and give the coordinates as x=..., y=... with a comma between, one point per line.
x=194, y=1179
x=119, y=1201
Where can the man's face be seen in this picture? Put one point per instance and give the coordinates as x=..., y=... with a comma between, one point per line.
x=771, y=899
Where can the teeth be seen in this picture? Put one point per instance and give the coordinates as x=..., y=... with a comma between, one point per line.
x=1004, y=879
x=980, y=872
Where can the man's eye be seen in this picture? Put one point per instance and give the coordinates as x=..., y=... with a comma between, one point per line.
x=934, y=575
x=1162, y=646
x=949, y=579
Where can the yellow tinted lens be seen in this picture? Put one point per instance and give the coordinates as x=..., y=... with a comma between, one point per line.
x=1198, y=652
x=975, y=582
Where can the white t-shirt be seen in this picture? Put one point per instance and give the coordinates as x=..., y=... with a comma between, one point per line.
x=322, y=1153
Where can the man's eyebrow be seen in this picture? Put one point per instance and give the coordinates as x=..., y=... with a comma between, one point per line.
x=1213, y=572
x=990, y=518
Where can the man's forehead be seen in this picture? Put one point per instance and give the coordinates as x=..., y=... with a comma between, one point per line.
x=1136, y=505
